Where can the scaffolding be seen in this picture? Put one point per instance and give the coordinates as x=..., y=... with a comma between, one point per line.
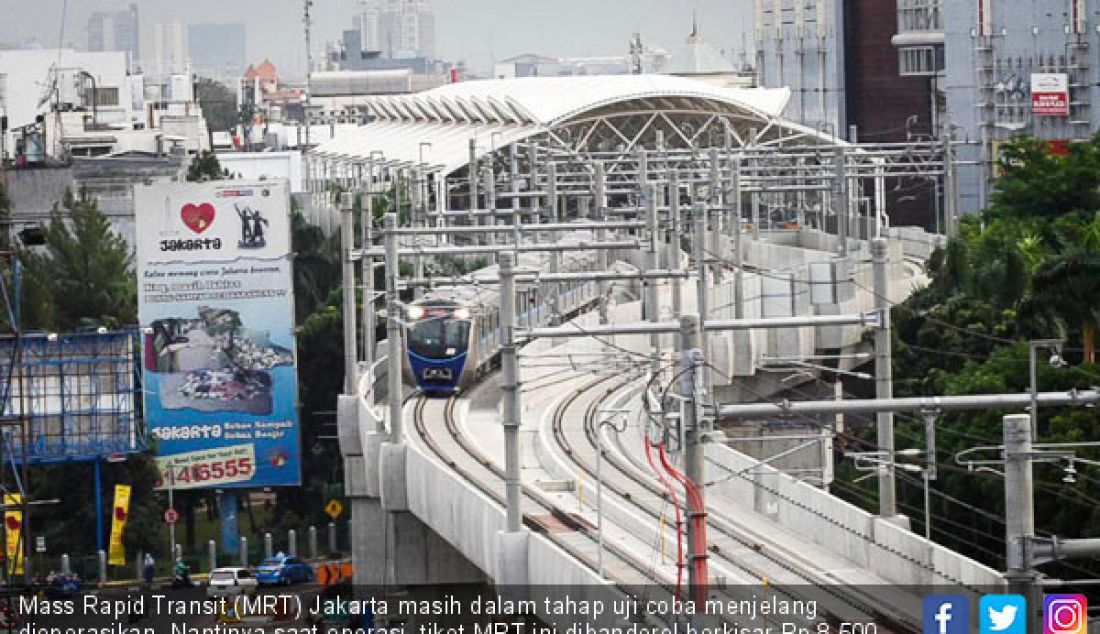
x=79, y=393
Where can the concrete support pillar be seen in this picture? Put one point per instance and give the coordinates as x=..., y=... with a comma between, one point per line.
x=651, y=297
x=489, y=185
x=738, y=245
x=841, y=201
x=884, y=377
x=393, y=330
x=510, y=386
x=512, y=572
x=601, y=236
x=1020, y=513
x=672, y=241
x=691, y=386
x=347, y=237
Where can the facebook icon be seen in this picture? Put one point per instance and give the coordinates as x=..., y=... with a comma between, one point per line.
x=946, y=614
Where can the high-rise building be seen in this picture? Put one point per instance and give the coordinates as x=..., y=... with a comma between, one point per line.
x=217, y=50
x=1010, y=67
x=116, y=31
x=800, y=45
x=169, y=52
x=836, y=58
x=398, y=28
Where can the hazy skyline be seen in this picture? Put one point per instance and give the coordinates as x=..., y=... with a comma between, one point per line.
x=477, y=31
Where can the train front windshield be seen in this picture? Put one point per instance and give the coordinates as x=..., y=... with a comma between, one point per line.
x=439, y=337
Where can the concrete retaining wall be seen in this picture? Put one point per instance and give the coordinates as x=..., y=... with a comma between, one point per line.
x=894, y=553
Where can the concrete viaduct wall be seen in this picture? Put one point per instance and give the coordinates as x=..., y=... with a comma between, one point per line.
x=888, y=550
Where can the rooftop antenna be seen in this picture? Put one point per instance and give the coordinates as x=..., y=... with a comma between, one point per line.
x=694, y=24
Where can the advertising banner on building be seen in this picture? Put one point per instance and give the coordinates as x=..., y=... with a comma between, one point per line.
x=13, y=530
x=116, y=555
x=216, y=301
x=1050, y=94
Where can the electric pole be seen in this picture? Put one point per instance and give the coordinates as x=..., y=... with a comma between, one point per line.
x=884, y=377
x=307, y=19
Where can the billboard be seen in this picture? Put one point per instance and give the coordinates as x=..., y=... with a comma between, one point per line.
x=77, y=392
x=216, y=302
x=1050, y=94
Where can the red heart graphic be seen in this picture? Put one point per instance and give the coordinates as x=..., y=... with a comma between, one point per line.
x=198, y=218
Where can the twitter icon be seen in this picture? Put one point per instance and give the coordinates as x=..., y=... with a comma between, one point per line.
x=1003, y=614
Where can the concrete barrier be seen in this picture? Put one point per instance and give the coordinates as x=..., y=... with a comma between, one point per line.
x=890, y=551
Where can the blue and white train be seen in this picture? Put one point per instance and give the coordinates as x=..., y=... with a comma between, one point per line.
x=453, y=335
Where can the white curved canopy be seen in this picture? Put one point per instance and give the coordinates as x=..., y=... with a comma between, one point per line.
x=497, y=113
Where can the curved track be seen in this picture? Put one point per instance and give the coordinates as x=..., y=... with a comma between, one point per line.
x=441, y=436
x=739, y=555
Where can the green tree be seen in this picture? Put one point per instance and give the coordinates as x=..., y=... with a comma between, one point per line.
x=1037, y=183
x=1027, y=267
x=85, y=275
x=69, y=525
x=218, y=103
x=205, y=167
x=316, y=266
x=1067, y=289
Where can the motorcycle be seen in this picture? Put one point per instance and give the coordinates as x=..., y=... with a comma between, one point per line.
x=181, y=578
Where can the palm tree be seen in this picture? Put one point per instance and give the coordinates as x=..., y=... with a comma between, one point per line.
x=1066, y=288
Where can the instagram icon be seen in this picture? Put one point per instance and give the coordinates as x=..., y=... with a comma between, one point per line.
x=1065, y=614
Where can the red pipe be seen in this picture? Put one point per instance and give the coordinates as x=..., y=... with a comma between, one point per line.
x=679, y=522
x=698, y=517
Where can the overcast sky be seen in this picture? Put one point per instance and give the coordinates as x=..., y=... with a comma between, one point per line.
x=477, y=31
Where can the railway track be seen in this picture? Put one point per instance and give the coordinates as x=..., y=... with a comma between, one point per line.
x=730, y=546
x=546, y=517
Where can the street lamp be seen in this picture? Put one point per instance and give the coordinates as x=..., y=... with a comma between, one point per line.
x=1033, y=346
x=607, y=418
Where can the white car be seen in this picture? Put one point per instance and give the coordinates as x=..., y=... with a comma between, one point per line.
x=230, y=582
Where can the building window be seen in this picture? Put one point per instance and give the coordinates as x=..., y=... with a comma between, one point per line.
x=105, y=97
x=920, y=61
x=919, y=15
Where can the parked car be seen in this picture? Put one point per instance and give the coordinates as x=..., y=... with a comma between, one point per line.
x=229, y=582
x=281, y=570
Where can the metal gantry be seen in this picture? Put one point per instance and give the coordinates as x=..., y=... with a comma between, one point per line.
x=647, y=205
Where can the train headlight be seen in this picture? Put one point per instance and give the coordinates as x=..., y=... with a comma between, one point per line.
x=415, y=312
x=462, y=313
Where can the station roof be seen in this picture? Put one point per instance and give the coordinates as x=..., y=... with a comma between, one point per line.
x=499, y=112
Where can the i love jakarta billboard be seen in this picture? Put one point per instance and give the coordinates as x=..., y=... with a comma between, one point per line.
x=216, y=303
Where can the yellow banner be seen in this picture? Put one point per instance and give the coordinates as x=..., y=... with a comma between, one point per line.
x=117, y=554
x=13, y=528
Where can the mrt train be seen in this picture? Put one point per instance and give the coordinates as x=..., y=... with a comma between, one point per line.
x=453, y=334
